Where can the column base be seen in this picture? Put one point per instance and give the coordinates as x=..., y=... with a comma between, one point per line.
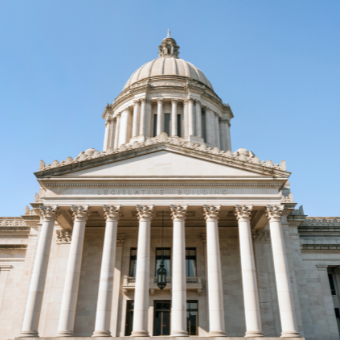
x=62, y=334
x=290, y=335
x=217, y=333
x=98, y=334
x=140, y=333
x=29, y=334
x=179, y=333
x=253, y=334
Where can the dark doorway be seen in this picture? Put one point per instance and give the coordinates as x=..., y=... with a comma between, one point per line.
x=162, y=318
x=129, y=318
x=192, y=317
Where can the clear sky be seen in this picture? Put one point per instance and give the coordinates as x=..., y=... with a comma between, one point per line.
x=277, y=63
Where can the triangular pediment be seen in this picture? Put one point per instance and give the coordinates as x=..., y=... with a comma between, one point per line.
x=162, y=164
x=162, y=157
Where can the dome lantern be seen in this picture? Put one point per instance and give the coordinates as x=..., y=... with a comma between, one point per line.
x=168, y=48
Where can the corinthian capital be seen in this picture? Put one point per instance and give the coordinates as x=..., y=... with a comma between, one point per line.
x=111, y=212
x=144, y=212
x=274, y=212
x=178, y=212
x=48, y=212
x=160, y=100
x=211, y=212
x=243, y=212
x=80, y=212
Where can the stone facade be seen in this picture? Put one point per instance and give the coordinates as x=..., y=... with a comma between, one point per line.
x=238, y=250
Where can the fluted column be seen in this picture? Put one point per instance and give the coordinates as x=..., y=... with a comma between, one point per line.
x=191, y=119
x=249, y=280
x=71, y=286
x=36, y=290
x=215, y=287
x=217, y=130
x=283, y=286
x=160, y=116
x=208, y=126
x=179, y=291
x=198, y=119
x=104, y=303
x=141, y=304
x=174, y=117
x=142, y=117
x=135, y=122
x=112, y=135
x=117, y=131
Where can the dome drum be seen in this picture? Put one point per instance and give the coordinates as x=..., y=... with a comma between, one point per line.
x=168, y=95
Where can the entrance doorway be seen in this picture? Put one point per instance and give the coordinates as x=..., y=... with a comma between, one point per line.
x=162, y=317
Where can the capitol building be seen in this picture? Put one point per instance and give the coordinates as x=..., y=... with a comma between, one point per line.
x=168, y=231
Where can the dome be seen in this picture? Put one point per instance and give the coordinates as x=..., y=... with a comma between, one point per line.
x=168, y=64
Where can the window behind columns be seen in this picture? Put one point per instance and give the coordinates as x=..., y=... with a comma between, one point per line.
x=192, y=317
x=190, y=262
x=331, y=283
x=133, y=262
x=204, y=127
x=129, y=317
x=155, y=125
x=167, y=117
x=179, y=125
x=337, y=316
x=167, y=260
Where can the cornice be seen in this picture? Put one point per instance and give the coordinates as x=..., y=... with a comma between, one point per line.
x=244, y=160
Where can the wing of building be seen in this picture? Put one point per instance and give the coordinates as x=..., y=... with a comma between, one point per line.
x=167, y=232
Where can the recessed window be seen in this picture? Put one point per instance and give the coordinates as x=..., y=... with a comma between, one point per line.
x=204, y=127
x=179, y=125
x=190, y=262
x=155, y=125
x=133, y=262
x=129, y=317
x=192, y=317
x=331, y=284
x=167, y=117
x=337, y=315
x=166, y=254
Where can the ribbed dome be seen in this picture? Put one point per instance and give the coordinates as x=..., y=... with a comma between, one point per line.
x=168, y=66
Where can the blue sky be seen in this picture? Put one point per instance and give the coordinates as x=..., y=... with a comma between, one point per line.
x=275, y=62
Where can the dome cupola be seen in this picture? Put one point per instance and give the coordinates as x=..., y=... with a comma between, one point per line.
x=170, y=95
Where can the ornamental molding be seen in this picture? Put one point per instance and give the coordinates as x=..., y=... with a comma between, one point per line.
x=242, y=158
x=261, y=235
x=48, y=212
x=12, y=222
x=80, y=213
x=64, y=236
x=178, y=212
x=320, y=248
x=211, y=212
x=243, y=212
x=321, y=222
x=111, y=212
x=153, y=184
x=144, y=212
x=274, y=212
x=120, y=239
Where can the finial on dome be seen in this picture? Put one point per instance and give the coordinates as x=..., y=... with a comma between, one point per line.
x=169, y=47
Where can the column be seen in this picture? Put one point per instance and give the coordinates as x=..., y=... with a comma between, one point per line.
x=104, y=303
x=141, y=304
x=71, y=286
x=198, y=119
x=179, y=290
x=142, y=117
x=217, y=130
x=36, y=290
x=117, y=131
x=160, y=116
x=106, y=136
x=191, y=117
x=328, y=299
x=112, y=134
x=124, y=127
x=215, y=287
x=225, y=134
x=208, y=129
x=249, y=279
x=283, y=286
x=174, y=118
x=135, y=121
